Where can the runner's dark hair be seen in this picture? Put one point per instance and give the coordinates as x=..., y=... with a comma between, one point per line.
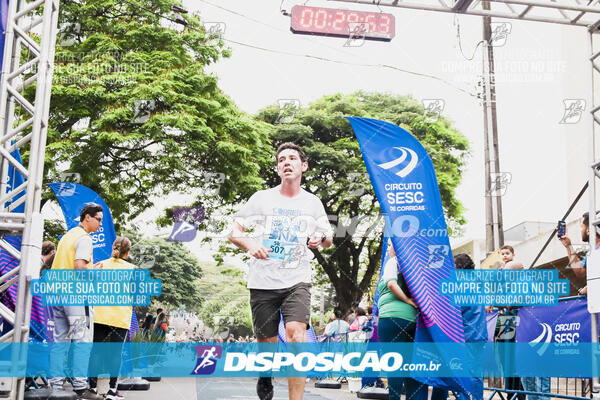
x=338, y=313
x=291, y=146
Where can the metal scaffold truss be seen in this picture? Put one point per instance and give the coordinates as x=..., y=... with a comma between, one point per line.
x=27, y=63
x=568, y=12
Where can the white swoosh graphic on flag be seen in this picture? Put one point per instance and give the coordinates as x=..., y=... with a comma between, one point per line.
x=393, y=163
x=184, y=227
x=414, y=159
x=547, y=332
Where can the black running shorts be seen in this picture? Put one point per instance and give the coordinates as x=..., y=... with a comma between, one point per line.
x=293, y=302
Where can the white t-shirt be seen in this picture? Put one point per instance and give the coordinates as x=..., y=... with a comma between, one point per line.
x=282, y=224
x=83, y=248
x=390, y=269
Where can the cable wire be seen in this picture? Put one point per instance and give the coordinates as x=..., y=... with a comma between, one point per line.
x=457, y=23
x=423, y=75
x=325, y=58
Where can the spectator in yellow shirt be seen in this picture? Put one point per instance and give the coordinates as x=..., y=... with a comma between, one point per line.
x=111, y=323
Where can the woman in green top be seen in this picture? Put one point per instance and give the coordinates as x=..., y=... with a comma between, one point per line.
x=397, y=316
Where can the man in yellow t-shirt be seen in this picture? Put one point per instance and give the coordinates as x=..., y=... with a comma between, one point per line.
x=74, y=324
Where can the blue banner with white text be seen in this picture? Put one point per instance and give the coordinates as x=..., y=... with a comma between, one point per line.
x=404, y=180
x=72, y=197
x=567, y=322
x=353, y=359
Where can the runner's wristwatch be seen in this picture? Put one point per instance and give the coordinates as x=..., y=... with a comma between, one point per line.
x=322, y=239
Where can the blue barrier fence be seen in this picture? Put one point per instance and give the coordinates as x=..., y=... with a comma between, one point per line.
x=569, y=311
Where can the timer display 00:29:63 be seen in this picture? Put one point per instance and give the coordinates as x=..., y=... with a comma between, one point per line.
x=335, y=22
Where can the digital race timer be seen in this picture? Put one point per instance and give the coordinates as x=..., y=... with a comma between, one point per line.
x=333, y=22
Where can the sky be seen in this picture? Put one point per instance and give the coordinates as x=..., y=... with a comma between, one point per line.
x=538, y=67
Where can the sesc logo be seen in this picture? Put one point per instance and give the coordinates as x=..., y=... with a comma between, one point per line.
x=567, y=333
x=455, y=364
x=408, y=160
x=543, y=340
x=207, y=359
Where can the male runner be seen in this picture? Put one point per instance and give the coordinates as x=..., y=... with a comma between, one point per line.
x=288, y=221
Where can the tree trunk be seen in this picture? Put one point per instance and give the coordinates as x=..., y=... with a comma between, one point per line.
x=348, y=291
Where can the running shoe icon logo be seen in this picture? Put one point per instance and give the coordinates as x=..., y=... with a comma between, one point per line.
x=207, y=359
x=408, y=158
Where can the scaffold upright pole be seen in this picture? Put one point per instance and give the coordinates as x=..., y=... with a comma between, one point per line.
x=593, y=175
x=28, y=60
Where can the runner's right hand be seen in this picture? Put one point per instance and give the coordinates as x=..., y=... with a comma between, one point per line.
x=258, y=251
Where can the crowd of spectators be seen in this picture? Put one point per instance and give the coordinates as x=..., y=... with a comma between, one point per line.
x=395, y=306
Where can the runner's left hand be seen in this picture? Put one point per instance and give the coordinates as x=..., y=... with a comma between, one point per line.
x=315, y=240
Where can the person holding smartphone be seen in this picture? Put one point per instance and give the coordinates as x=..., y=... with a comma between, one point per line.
x=579, y=266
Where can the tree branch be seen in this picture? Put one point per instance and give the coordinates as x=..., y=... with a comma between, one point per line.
x=329, y=270
x=365, y=283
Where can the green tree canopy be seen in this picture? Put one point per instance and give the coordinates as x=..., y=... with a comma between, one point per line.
x=177, y=268
x=226, y=308
x=337, y=175
x=134, y=113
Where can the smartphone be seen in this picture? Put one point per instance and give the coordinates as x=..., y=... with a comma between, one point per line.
x=560, y=229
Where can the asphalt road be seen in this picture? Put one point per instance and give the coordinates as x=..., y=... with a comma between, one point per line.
x=223, y=389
